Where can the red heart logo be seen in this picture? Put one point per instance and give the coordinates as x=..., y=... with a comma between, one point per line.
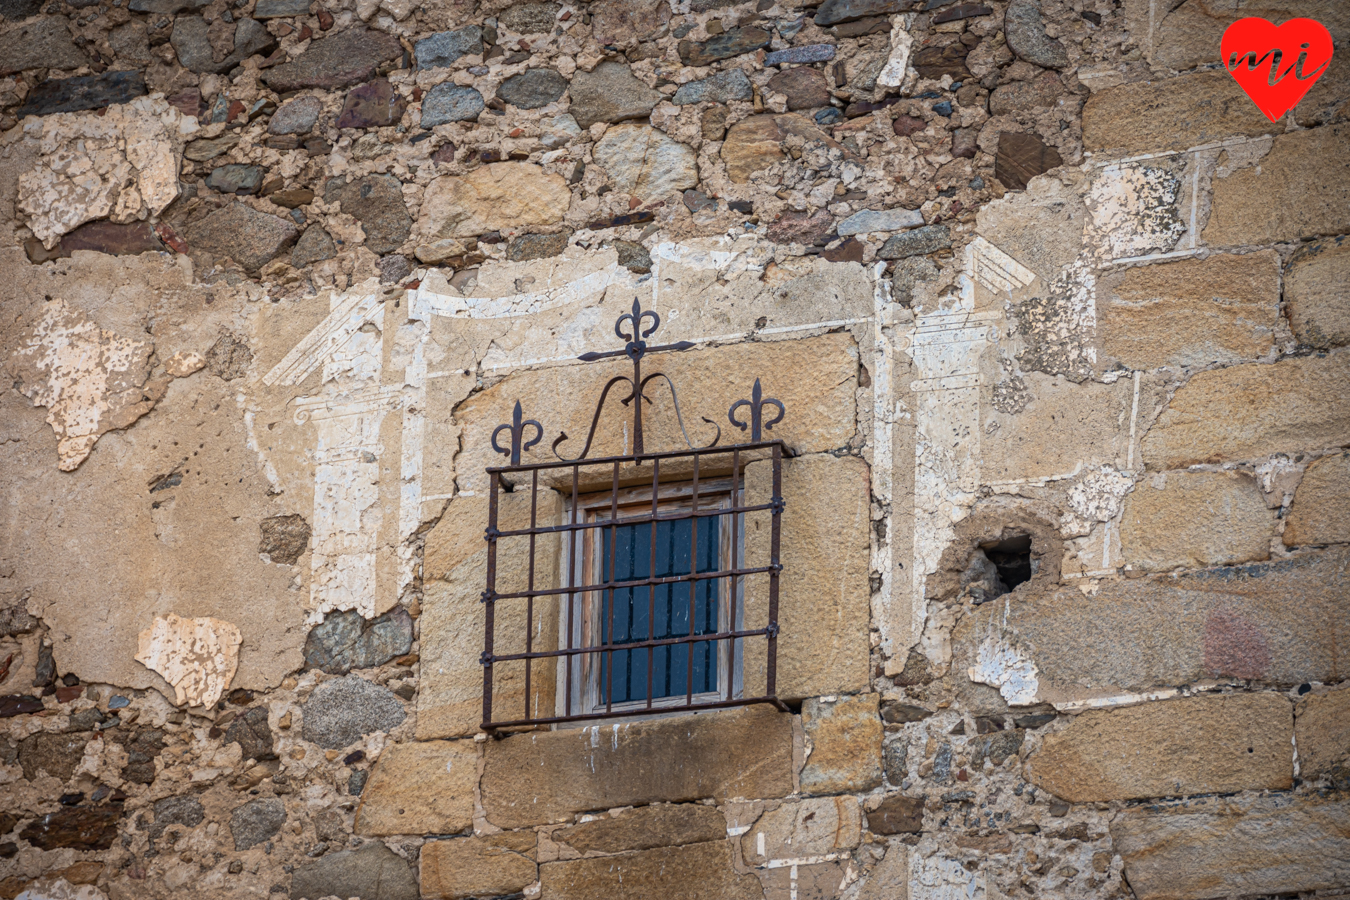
x=1276, y=66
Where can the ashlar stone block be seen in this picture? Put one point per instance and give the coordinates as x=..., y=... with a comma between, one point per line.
x=420, y=788
x=694, y=872
x=1317, y=293
x=1322, y=730
x=1300, y=189
x=1171, y=114
x=1190, y=313
x=803, y=828
x=823, y=591
x=1320, y=513
x=844, y=735
x=1195, y=519
x=644, y=828
x=1198, y=745
x=491, y=866
x=544, y=777
x=1234, y=847
x=1253, y=410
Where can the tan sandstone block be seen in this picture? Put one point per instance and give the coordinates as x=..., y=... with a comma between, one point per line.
x=1300, y=189
x=496, y=197
x=815, y=378
x=1171, y=114
x=1234, y=847
x=1140, y=634
x=802, y=828
x=1190, y=313
x=694, y=872
x=543, y=777
x=757, y=142
x=845, y=739
x=489, y=866
x=1250, y=411
x=823, y=594
x=1195, y=519
x=450, y=695
x=421, y=788
x=1322, y=730
x=645, y=828
x=1317, y=293
x=1199, y=745
x=1320, y=513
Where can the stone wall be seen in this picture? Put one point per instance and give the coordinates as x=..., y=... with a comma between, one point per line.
x=1060, y=321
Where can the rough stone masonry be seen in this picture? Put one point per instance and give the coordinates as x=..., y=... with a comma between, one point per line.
x=1059, y=317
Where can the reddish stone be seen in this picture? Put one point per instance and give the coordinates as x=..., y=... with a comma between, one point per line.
x=1234, y=646
x=325, y=20
x=963, y=143
x=962, y=11
x=849, y=251
x=171, y=238
x=237, y=108
x=934, y=62
x=188, y=102
x=801, y=227
x=67, y=694
x=804, y=87
x=18, y=705
x=374, y=105
x=904, y=126
x=109, y=237
x=1022, y=157
x=78, y=828
x=897, y=814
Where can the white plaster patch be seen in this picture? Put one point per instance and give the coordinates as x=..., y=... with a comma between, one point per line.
x=1097, y=498
x=197, y=656
x=1000, y=664
x=89, y=379
x=940, y=878
x=60, y=889
x=995, y=269
x=1135, y=209
x=893, y=73
x=119, y=163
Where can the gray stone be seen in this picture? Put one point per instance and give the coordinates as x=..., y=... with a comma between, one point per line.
x=235, y=178
x=610, y=94
x=801, y=227
x=346, y=641
x=192, y=44
x=449, y=102
x=376, y=201
x=536, y=246
x=918, y=242
x=256, y=821
x=720, y=88
x=296, y=116
x=532, y=89
x=633, y=256
x=207, y=149
x=185, y=811
x=806, y=53
x=394, y=269
x=85, y=92
x=529, y=18
x=373, y=872
x=252, y=733
x=249, y=237
x=357, y=782
x=445, y=47
x=908, y=273
x=880, y=220
x=315, y=245
x=15, y=619
x=165, y=7
x=86, y=719
x=895, y=760
x=14, y=10
x=373, y=105
x=284, y=539
x=724, y=46
x=341, y=60
x=280, y=9
x=836, y=12
x=340, y=711
x=55, y=754
x=45, y=43
x=131, y=44
x=696, y=200
x=1027, y=38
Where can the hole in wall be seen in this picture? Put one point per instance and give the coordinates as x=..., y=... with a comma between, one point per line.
x=997, y=568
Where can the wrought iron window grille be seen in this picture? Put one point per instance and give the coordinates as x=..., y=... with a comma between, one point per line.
x=704, y=641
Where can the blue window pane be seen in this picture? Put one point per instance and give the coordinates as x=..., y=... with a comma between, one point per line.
x=640, y=615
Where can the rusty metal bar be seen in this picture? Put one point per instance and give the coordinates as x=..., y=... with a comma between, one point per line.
x=529, y=604
x=572, y=540
x=641, y=582
x=488, y=597
x=639, y=519
x=693, y=585
x=638, y=645
x=651, y=572
x=735, y=547
x=771, y=663
x=639, y=711
x=613, y=562
x=639, y=458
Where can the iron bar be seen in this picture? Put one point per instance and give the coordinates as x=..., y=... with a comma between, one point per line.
x=638, y=645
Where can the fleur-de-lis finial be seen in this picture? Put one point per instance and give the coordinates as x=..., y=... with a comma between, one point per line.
x=757, y=402
x=517, y=430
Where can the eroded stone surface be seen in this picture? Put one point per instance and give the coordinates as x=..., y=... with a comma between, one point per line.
x=495, y=197
x=644, y=162
x=371, y=872
x=340, y=60
x=845, y=739
x=341, y=710
x=1320, y=513
x=1322, y=730
x=610, y=93
x=240, y=232
x=803, y=828
x=691, y=871
x=1317, y=296
x=645, y=828
x=420, y=788
x=1195, y=519
x=495, y=865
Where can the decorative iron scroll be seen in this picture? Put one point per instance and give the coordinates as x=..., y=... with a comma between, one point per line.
x=629, y=327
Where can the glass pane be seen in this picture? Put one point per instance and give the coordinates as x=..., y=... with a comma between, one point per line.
x=641, y=613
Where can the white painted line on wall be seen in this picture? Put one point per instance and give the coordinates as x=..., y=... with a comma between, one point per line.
x=1134, y=418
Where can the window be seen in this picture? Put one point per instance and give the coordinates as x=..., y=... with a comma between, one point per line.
x=666, y=561
x=646, y=609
